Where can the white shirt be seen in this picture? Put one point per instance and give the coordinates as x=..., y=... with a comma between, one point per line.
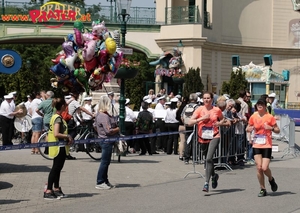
x=27, y=105
x=159, y=106
x=6, y=109
x=87, y=116
x=13, y=105
x=130, y=116
x=171, y=116
x=33, y=106
x=73, y=105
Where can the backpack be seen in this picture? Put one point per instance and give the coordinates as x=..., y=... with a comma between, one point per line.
x=65, y=114
x=189, y=110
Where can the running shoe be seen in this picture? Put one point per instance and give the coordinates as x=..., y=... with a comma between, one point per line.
x=205, y=188
x=103, y=186
x=214, y=181
x=50, y=196
x=273, y=184
x=59, y=193
x=262, y=193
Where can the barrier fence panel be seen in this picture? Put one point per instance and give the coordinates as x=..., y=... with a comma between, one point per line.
x=291, y=149
x=197, y=157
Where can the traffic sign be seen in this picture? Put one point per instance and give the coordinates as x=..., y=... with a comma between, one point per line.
x=126, y=51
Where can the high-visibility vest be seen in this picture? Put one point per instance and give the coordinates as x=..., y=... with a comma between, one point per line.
x=54, y=150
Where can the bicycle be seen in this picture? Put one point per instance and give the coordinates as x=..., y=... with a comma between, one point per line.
x=83, y=132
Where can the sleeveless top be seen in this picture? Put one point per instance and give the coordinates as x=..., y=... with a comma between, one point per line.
x=54, y=150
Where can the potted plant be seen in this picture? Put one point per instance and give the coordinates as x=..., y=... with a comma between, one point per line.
x=127, y=69
x=178, y=77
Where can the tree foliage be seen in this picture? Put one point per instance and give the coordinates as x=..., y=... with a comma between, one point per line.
x=236, y=83
x=34, y=74
x=135, y=88
x=192, y=82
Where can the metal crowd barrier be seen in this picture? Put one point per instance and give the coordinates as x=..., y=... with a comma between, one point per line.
x=287, y=134
x=232, y=148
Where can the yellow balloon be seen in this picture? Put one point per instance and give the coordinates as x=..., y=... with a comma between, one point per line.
x=111, y=46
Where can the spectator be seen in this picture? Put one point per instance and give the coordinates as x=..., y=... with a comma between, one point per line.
x=130, y=119
x=186, y=114
x=106, y=127
x=36, y=120
x=58, y=130
x=144, y=125
x=181, y=127
x=172, y=126
x=6, y=120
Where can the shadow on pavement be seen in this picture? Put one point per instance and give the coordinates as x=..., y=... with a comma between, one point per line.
x=11, y=201
x=81, y=195
x=136, y=161
x=223, y=191
x=11, y=168
x=274, y=194
x=5, y=185
x=127, y=185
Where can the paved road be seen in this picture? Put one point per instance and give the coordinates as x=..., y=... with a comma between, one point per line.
x=144, y=184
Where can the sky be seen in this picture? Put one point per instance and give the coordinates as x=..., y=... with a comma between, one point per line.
x=135, y=3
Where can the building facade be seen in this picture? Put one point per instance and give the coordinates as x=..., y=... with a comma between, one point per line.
x=213, y=30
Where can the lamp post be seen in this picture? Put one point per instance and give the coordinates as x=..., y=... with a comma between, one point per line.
x=123, y=7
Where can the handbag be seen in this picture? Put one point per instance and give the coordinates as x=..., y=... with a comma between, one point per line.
x=120, y=147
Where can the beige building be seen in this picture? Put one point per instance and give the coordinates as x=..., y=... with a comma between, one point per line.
x=214, y=30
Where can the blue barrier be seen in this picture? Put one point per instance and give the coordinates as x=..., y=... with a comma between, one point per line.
x=93, y=140
x=292, y=113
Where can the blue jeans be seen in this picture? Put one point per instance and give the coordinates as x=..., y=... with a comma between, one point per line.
x=249, y=152
x=102, y=176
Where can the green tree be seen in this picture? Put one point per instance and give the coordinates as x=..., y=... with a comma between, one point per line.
x=135, y=88
x=192, y=82
x=236, y=83
x=34, y=74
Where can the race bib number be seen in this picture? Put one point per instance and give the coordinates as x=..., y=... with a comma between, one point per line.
x=259, y=139
x=207, y=133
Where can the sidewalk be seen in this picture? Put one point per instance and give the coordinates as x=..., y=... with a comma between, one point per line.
x=144, y=184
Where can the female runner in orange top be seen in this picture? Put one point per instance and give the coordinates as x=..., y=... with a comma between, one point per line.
x=263, y=123
x=208, y=118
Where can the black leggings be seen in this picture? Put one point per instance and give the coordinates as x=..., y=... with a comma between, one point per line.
x=58, y=164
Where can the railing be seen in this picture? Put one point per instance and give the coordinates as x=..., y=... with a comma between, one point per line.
x=206, y=21
x=182, y=15
x=139, y=15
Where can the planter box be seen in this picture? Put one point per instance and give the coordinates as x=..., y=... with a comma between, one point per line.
x=126, y=73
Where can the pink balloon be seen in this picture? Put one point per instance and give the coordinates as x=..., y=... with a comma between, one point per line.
x=78, y=38
x=88, y=51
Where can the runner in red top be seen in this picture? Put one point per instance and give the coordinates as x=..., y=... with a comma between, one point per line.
x=262, y=124
x=208, y=119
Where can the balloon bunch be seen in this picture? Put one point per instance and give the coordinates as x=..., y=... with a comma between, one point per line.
x=87, y=59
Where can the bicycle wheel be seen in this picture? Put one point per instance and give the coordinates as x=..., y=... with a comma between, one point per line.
x=93, y=149
x=44, y=150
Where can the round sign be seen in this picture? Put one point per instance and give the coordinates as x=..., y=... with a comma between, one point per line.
x=8, y=60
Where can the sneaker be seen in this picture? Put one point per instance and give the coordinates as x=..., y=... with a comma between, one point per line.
x=205, y=188
x=102, y=186
x=262, y=193
x=59, y=193
x=111, y=186
x=251, y=162
x=214, y=181
x=50, y=196
x=273, y=184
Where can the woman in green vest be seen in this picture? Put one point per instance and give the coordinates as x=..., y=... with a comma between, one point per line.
x=58, y=131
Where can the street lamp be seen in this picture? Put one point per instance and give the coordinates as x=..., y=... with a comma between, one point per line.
x=123, y=8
